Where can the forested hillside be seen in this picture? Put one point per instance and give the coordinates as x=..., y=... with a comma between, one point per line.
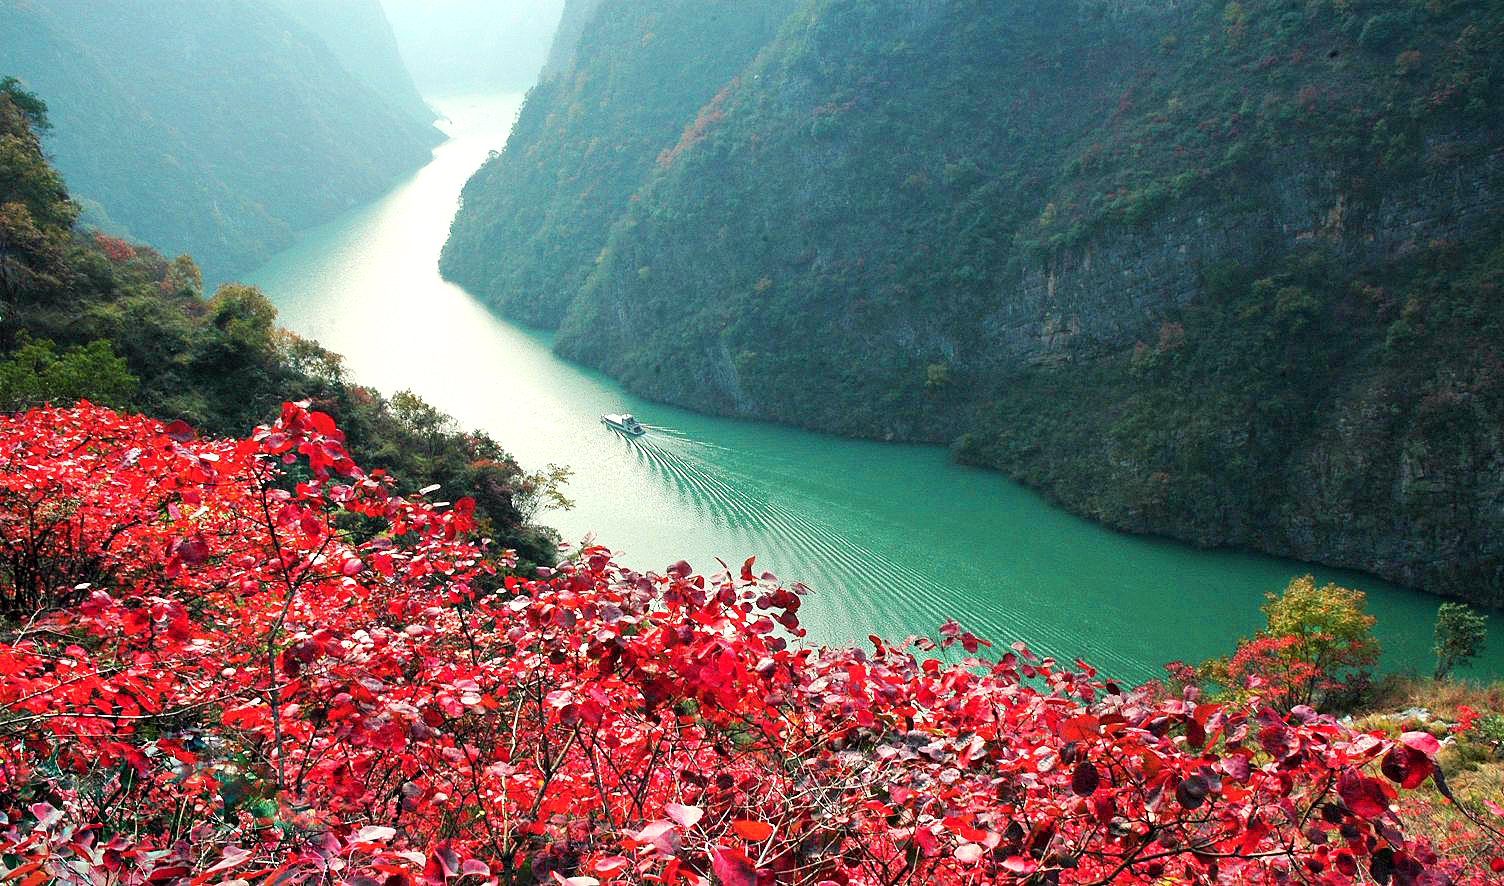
x=572, y=22
x=87, y=316
x=213, y=129
x=1227, y=271
x=535, y=219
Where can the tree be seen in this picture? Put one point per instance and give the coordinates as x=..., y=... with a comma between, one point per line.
x=36, y=215
x=1460, y=635
x=245, y=316
x=423, y=421
x=27, y=103
x=35, y=374
x=1311, y=639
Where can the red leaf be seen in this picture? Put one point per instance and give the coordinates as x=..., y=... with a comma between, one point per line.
x=375, y=834
x=653, y=831
x=756, y=831
x=193, y=550
x=1406, y=766
x=610, y=865
x=685, y=816
x=1366, y=797
x=1423, y=742
x=1080, y=728
x=180, y=432
x=1086, y=779
x=732, y=868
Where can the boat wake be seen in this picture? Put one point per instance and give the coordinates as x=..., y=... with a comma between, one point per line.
x=856, y=585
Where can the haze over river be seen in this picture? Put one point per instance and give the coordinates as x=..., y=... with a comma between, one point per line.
x=892, y=539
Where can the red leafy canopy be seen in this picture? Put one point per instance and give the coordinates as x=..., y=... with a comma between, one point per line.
x=249, y=659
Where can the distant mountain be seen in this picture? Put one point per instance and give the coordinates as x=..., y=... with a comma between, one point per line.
x=1226, y=271
x=362, y=39
x=216, y=129
x=454, y=47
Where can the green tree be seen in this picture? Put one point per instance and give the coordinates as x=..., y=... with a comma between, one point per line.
x=35, y=374
x=1460, y=635
x=424, y=422
x=36, y=214
x=34, y=109
x=245, y=316
x=543, y=489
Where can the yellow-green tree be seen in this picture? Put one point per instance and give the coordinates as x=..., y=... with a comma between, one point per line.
x=1331, y=629
x=1313, y=638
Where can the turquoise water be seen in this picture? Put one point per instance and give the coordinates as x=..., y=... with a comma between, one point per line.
x=892, y=539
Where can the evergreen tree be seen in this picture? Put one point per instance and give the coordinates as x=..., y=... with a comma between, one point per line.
x=1460, y=635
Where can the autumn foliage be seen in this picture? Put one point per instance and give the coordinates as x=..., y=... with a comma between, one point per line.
x=117, y=250
x=250, y=662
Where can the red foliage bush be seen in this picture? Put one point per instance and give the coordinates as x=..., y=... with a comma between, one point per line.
x=116, y=250
x=251, y=662
x=706, y=120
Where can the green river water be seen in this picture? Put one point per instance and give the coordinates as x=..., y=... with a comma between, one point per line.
x=892, y=539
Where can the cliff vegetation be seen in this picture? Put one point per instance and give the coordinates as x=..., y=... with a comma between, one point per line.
x=1225, y=271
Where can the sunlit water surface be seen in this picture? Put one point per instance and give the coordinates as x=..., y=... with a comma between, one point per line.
x=893, y=539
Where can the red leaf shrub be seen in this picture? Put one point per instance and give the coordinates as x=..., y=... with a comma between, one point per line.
x=249, y=660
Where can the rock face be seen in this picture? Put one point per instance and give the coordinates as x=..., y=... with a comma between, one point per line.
x=216, y=129
x=1227, y=272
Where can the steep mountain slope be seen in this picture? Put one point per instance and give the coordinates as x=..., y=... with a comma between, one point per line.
x=1227, y=271
x=572, y=23
x=361, y=38
x=216, y=129
x=535, y=218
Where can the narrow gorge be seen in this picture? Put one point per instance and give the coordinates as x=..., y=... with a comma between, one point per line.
x=1226, y=272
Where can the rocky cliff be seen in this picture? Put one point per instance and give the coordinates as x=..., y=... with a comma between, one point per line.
x=1226, y=271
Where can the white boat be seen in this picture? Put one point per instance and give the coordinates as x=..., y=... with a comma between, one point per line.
x=624, y=423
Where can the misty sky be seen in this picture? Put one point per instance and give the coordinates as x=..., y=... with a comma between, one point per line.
x=458, y=46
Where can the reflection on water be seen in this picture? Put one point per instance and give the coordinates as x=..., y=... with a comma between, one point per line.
x=892, y=539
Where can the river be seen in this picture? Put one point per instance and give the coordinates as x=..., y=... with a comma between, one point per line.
x=892, y=539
